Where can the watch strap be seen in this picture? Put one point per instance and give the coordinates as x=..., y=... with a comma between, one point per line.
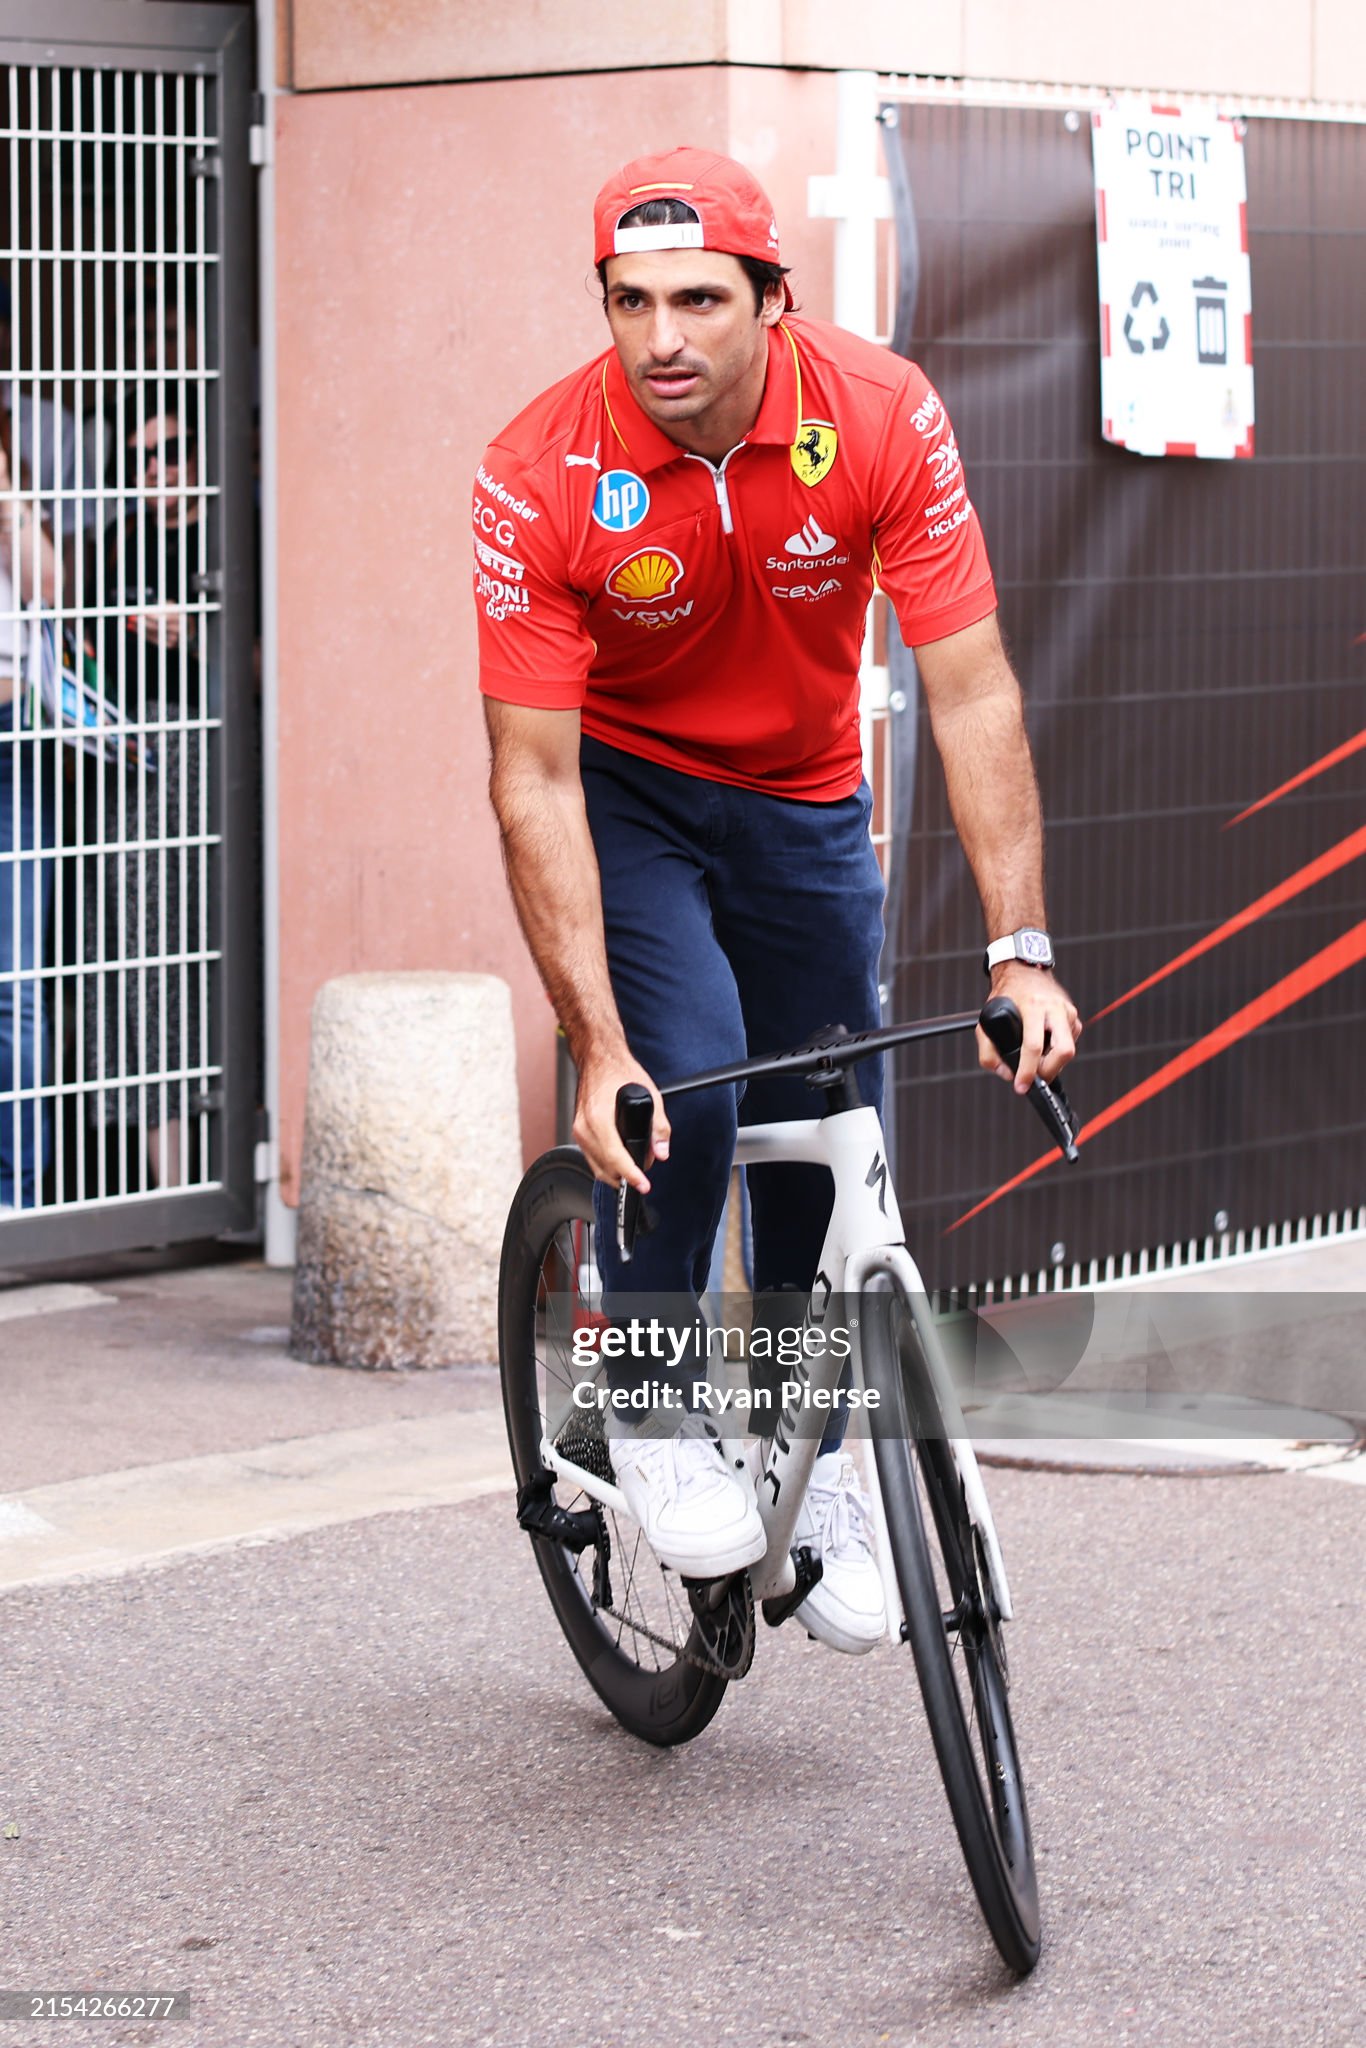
x=1029, y=944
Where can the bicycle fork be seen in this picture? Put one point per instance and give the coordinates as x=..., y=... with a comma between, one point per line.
x=895, y=1264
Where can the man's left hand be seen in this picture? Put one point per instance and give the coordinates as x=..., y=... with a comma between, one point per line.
x=1049, y=1017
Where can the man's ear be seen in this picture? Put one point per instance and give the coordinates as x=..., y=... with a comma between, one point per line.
x=775, y=305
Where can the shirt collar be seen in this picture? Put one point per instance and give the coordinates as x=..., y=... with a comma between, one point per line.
x=632, y=437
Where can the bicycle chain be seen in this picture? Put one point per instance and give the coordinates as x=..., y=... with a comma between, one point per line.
x=738, y=1666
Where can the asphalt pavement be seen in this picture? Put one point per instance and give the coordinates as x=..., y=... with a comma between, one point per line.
x=289, y=1731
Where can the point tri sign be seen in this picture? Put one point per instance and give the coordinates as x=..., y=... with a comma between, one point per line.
x=1175, y=284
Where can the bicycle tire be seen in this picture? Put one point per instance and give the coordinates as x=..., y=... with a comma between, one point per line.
x=956, y=1647
x=662, y=1699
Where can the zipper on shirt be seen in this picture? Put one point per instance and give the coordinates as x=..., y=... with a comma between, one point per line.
x=718, y=478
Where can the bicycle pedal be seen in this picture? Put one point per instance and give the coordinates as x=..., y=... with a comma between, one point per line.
x=541, y=1516
x=809, y=1572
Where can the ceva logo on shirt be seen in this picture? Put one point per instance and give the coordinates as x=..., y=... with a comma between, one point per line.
x=620, y=501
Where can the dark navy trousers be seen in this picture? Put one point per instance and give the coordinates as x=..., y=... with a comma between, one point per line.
x=737, y=923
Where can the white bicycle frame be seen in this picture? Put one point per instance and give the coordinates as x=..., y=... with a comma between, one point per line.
x=865, y=1240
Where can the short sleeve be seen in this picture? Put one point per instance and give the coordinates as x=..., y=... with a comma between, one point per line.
x=534, y=647
x=931, y=559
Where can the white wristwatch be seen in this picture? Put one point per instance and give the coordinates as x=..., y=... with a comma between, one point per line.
x=1029, y=944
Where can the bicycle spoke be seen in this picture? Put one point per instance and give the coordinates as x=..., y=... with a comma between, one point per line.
x=619, y=1610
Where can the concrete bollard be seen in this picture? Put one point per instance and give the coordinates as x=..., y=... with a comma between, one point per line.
x=412, y=1154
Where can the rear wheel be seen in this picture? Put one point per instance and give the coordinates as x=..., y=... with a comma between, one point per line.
x=952, y=1625
x=630, y=1623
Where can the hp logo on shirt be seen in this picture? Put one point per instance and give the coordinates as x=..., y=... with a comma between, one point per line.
x=620, y=501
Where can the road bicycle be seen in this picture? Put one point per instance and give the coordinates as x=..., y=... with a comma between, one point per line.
x=661, y=1651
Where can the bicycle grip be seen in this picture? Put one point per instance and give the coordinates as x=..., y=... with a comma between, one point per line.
x=635, y=1121
x=1003, y=1026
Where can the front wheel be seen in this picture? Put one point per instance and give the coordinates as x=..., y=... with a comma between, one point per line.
x=629, y=1622
x=952, y=1625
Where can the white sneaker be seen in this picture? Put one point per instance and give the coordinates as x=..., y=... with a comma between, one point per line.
x=847, y=1609
x=698, y=1516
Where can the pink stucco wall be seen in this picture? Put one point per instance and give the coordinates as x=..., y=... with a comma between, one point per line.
x=434, y=265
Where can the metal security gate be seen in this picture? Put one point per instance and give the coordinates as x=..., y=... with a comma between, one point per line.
x=128, y=1013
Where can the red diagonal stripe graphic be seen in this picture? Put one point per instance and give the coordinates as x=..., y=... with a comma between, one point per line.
x=1282, y=995
x=1338, y=856
x=1351, y=746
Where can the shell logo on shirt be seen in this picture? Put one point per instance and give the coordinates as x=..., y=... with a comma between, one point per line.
x=648, y=574
x=814, y=450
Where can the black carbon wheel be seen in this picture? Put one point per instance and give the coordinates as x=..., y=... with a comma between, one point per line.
x=637, y=1655
x=953, y=1628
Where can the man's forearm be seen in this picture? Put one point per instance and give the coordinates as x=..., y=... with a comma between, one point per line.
x=995, y=802
x=553, y=874
x=21, y=523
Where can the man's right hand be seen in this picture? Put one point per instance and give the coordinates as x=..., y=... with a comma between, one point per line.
x=595, y=1120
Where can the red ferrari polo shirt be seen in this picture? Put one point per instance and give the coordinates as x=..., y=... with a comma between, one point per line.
x=710, y=617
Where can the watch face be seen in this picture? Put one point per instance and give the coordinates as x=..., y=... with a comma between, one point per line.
x=1036, y=948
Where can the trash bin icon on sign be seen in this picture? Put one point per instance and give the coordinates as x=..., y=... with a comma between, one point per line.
x=1211, y=320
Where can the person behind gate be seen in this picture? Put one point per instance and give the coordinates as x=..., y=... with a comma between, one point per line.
x=29, y=768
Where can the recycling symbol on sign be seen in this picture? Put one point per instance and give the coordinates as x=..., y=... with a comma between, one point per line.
x=1157, y=339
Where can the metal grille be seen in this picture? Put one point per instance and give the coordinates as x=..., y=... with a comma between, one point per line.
x=1188, y=634
x=124, y=988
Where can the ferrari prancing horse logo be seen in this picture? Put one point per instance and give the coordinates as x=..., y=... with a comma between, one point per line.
x=813, y=451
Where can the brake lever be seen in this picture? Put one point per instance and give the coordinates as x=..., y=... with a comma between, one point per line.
x=1003, y=1026
x=635, y=1121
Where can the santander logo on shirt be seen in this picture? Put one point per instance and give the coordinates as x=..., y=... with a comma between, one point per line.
x=809, y=545
x=810, y=542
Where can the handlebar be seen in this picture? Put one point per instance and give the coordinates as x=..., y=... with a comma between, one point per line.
x=999, y=1019
x=635, y=1118
x=1001, y=1022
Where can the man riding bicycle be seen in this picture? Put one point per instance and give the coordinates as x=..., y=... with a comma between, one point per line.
x=674, y=552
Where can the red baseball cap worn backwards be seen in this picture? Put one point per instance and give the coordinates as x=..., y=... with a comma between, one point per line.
x=734, y=215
